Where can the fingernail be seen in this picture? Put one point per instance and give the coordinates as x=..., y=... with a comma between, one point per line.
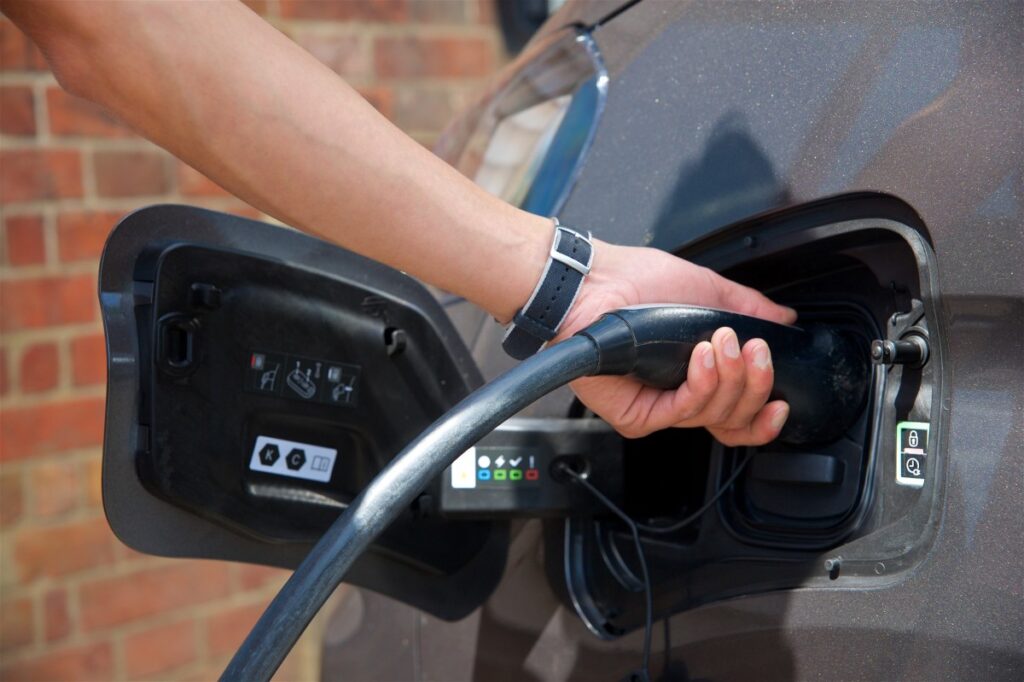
x=732, y=345
x=779, y=418
x=762, y=358
x=709, y=356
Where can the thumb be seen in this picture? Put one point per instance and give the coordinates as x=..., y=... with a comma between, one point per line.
x=742, y=299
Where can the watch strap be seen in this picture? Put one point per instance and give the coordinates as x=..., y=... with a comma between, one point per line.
x=537, y=322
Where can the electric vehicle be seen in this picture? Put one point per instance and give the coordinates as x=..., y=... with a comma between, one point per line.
x=860, y=162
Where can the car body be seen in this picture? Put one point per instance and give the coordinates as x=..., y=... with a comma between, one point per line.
x=860, y=161
x=717, y=113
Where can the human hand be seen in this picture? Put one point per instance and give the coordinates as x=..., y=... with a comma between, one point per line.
x=726, y=388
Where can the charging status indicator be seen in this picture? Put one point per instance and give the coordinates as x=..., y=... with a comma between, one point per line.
x=493, y=467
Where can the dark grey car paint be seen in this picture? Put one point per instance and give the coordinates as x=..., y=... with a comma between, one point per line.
x=720, y=110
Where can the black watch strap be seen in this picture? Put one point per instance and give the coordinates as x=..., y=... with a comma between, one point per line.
x=569, y=261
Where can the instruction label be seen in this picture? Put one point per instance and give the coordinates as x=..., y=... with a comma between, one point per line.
x=304, y=379
x=291, y=458
x=911, y=453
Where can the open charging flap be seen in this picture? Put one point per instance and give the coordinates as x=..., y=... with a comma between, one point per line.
x=258, y=379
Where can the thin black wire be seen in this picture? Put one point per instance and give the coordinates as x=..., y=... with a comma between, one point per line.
x=635, y=529
x=645, y=670
x=678, y=525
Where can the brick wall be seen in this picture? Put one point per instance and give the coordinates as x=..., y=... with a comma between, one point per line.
x=76, y=604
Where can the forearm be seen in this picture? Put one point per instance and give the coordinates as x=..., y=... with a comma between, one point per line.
x=230, y=95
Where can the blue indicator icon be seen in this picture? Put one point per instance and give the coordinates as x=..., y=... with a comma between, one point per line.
x=483, y=474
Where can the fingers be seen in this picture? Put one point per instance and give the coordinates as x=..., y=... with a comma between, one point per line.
x=733, y=296
x=725, y=390
x=731, y=381
x=735, y=411
x=759, y=377
x=764, y=428
x=652, y=409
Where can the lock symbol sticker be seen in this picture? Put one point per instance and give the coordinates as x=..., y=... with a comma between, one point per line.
x=912, y=439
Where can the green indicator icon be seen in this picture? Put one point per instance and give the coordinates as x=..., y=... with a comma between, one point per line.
x=499, y=474
x=515, y=474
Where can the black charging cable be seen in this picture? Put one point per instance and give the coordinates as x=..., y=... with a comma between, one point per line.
x=645, y=668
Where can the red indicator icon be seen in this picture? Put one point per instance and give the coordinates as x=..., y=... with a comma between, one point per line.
x=532, y=474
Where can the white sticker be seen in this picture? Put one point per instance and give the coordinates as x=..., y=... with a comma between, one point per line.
x=289, y=458
x=464, y=470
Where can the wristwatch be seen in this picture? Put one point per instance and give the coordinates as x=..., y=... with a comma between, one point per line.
x=537, y=322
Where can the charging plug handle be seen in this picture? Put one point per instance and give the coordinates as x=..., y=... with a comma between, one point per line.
x=821, y=372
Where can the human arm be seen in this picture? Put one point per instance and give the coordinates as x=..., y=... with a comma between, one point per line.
x=230, y=95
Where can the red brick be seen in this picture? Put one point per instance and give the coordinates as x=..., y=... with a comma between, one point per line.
x=47, y=302
x=127, y=555
x=56, y=488
x=439, y=11
x=130, y=173
x=415, y=56
x=16, y=623
x=5, y=384
x=251, y=576
x=226, y=629
x=485, y=12
x=192, y=183
x=11, y=498
x=82, y=234
x=50, y=427
x=70, y=115
x=160, y=649
x=39, y=368
x=17, y=52
x=107, y=602
x=25, y=244
x=62, y=550
x=382, y=98
x=17, y=110
x=94, y=484
x=56, y=619
x=87, y=662
x=423, y=109
x=349, y=10
x=88, y=360
x=347, y=55
x=34, y=174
